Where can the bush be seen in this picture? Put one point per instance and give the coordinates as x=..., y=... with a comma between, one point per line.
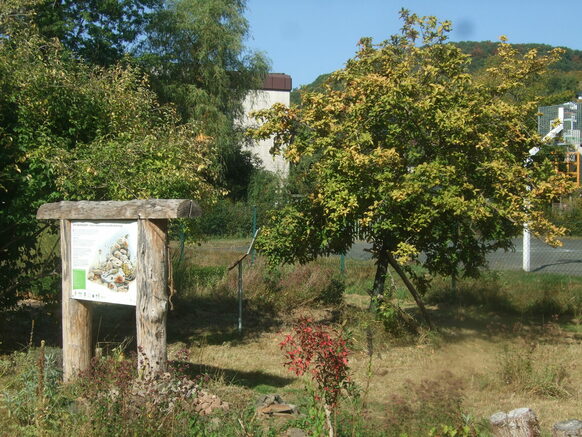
x=322, y=352
x=395, y=321
x=225, y=219
x=230, y=218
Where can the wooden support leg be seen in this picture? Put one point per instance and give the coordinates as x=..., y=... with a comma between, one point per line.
x=77, y=317
x=152, y=296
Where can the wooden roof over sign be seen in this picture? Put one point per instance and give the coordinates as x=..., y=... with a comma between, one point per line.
x=120, y=210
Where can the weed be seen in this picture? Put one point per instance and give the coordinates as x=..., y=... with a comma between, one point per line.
x=423, y=405
x=396, y=321
x=28, y=387
x=520, y=371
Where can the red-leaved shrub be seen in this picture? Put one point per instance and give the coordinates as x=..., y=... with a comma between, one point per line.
x=322, y=351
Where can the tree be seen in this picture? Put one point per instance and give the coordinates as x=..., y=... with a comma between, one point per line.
x=417, y=153
x=195, y=55
x=99, y=32
x=192, y=50
x=71, y=131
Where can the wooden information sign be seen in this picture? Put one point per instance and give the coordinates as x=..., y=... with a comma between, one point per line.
x=109, y=250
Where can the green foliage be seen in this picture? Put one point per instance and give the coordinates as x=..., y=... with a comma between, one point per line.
x=22, y=397
x=395, y=321
x=233, y=218
x=333, y=294
x=97, y=31
x=225, y=218
x=316, y=86
x=421, y=156
x=196, y=59
x=569, y=215
x=313, y=422
x=195, y=53
x=534, y=294
x=482, y=51
x=558, y=85
x=109, y=400
x=71, y=131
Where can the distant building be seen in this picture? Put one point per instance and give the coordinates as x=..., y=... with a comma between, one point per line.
x=276, y=89
x=563, y=121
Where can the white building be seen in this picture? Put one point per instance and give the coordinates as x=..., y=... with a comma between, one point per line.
x=276, y=89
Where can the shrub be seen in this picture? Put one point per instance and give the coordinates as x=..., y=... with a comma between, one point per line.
x=333, y=293
x=225, y=219
x=284, y=288
x=322, y=352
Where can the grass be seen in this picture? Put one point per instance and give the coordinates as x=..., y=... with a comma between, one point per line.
x=505, y=341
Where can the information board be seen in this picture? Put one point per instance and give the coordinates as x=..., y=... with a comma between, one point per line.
x=103, y=261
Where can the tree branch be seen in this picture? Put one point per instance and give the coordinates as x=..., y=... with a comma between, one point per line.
x=411, y=288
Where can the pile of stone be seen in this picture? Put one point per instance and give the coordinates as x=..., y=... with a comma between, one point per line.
x=167, y=391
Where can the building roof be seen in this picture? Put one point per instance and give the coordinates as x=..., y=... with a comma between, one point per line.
x=277, y=82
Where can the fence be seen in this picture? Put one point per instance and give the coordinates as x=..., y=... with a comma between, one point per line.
x=566, y=259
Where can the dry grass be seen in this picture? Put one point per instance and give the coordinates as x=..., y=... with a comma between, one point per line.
x=487, y=360
x=473, y=358
x=470, y=346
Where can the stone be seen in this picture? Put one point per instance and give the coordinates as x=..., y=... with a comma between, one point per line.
x=567, y=428
x=295, y=432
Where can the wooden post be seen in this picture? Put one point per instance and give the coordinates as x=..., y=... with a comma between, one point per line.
x=521, y=422
x=152, y=296
x=77, y=316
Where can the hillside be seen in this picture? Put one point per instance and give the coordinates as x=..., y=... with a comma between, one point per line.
x=564, y=80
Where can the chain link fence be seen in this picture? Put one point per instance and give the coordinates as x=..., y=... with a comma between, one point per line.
x=241, y=219
x=566, y=260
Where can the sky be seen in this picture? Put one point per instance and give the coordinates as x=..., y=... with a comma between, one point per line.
x=306, y=38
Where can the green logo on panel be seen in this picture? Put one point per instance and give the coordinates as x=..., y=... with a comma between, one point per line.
x=79, y=278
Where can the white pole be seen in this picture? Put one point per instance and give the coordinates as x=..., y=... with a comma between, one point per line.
x=526, y=249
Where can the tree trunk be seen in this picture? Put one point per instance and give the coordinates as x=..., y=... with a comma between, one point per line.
x=415, y=294
x=381, y=271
